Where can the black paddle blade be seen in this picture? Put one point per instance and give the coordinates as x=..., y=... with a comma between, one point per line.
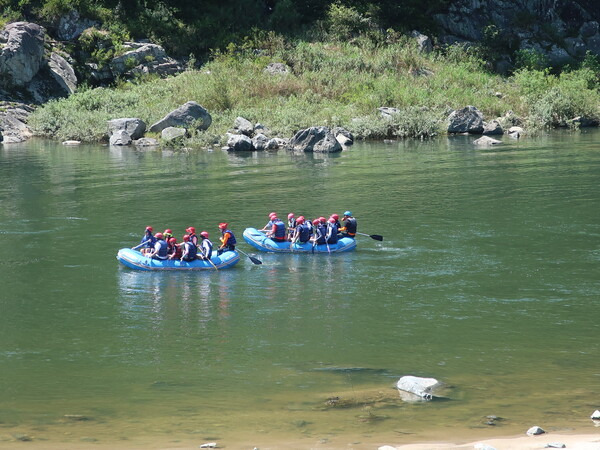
x=377, y=237
x=254, y=260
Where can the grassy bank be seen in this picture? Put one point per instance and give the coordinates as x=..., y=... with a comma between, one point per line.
x=333, y=84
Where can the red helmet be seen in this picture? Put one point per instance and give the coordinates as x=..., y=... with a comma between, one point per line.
x=316, y=222
x=223, y=225
x=273, y=214
x=149, y=228
x=331, y=220
x=300, y=220
x=335, y=216
x=290, y=215
x=204, y=234
x=191, y=230
x=301, y=217
x=322, y=219
x=158, y=235
x=168, y=231
x=172, y=240
x=186, y=237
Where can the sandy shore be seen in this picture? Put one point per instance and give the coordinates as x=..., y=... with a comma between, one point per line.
x=571, y=441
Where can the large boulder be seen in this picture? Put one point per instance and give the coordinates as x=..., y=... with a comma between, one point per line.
x=343, y=136
x=62, y=72
x=22, y=52
x=144, y=57
x=424, y=43
x=71, y=25
x=243, y=126
x=419, y=388
x=120, y=137
x=187, y=115
x=466, y=120
x=133, y=126
x=260, y=142
x=13, y=122
x=492, y=127
x=315, y=139
x=173, y=133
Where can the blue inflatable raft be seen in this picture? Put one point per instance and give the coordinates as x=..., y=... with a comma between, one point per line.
x=260, y=241
x=135, y=260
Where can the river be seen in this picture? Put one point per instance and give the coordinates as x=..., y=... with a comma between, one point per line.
x=488, y=279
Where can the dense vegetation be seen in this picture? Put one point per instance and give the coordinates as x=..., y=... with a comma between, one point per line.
x=335, y=83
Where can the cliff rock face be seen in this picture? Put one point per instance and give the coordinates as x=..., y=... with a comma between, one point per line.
x=561, y=30
x=22, y=52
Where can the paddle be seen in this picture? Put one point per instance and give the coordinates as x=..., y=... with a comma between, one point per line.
x=141, y=245
x=377, y=237
x=212, y=264
x=254, y=260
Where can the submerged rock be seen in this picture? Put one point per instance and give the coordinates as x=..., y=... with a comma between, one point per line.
x=486, y=141
x=466, y=120
x=315, y=139
x=535, y=431
x=420, y=388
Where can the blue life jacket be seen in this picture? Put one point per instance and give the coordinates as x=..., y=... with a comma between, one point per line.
x=191, y=249
x=162, y=251
x=332, y=233
x=321, y=232
x=279, y=230
x=231, y=240
x=304, y=232
x=150, y=238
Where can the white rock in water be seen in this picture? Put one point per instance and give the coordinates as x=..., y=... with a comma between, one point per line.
x=71, y=142
x=209, y=445
x=534, y=431
x=486, y=140
x=595, y=415
x=422, y=387
x=481, y=446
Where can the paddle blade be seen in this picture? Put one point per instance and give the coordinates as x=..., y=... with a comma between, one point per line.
x=254, y=260
x=377, y=237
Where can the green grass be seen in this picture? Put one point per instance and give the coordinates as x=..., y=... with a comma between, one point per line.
x=333, y=84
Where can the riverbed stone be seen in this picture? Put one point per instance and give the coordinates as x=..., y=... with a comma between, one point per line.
x=466, y=120
x=486, y=141
x=492, y=127
x=260, y=142
x=120, y=137
x=172, y=133
x=191, y=113
x=132, y=125
x=555, y=445
x=239, y=143
x=343, y=136
x=145, y=142
x=420, y=388
x=535, y=431
x=243, y=126
x=315, y=139
x=71, y=142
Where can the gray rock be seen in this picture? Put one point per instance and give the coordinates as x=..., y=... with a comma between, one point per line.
x=516, y=130
x=387, y=112
x=585, y=122
x=558, y=56
x=419, y=388
x=595, y=415
x=589, y=29
x=133, y=126
x=466, y=120
x=486, y=141
x=260, y=128
x=186, y=115
x=315, y=139
x=172, y=133
x=277, y=69
x=13, y=129
x=71, y=143
x=239, y=143
x=593, y=44
x=120, y=137
x=260, y=142
x=71, y=25
x=144, y=57
x=575, y=47
x=424, y=43
x=535, y=431
x=21, y=54
x=145, y=142
x=420, y=72
x=343, y=136
x=243, y=126
x=492, y=127
x=276, y=143
x=63, y=73
x=555, y=445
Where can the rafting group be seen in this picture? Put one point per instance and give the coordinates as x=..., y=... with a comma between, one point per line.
x=161, y=251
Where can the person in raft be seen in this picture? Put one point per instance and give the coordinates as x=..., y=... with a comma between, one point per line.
x=189, y=249
x=174, y=249
x=160, y=248
x=337, y=221
x=206, y=247
x=303, y=231
x=148, y=240
x=291, y=226
x=227, y=239
x=320, y=232
x=350, y=226
x=269, y=224
x=191, y=231
x=277, y=232
x=168, y=234
x=331, y=236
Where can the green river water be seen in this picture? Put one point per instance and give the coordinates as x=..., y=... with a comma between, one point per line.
x=488, y=279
